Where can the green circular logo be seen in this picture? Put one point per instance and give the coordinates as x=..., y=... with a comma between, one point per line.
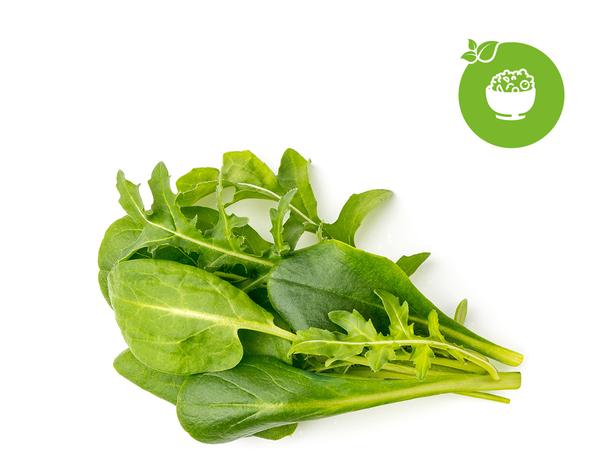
x=511, y=94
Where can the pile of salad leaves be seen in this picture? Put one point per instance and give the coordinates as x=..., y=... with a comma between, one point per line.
x=249, y=336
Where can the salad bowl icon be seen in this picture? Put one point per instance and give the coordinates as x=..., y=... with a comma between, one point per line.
x=511, y=94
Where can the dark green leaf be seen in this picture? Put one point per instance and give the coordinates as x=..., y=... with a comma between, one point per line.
x=262, y=393
x=353, y=213
x=308, y=284
x=410, y=264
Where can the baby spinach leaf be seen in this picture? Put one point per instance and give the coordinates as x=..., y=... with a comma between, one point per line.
x=183, y=320
x=116, y=245
x=353, y=213
x=165, y=386
x=262, y=393
x=410, y=264
x=196, y=184
x=309, y=283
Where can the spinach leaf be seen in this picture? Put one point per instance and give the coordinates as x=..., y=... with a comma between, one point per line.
x=262, y=393
x=353, y=213
x=410, y=264
x=308, y=284
x=183, y=320
x=166, y=386
x=116, y=245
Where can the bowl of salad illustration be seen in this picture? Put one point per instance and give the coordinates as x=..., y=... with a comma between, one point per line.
x=511, y=94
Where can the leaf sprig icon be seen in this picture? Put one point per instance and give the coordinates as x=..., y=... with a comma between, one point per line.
x=485, y=52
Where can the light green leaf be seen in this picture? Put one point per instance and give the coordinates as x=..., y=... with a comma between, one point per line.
x=421, y=357
x=278, y=215
x=486, y=51
x=469, y=56
x=472, y=45
x=165, y=386
x=321, y=342
x=166, y=223
x=353, y=213
x=399, y=327
x=246, y=168
x=461, y=312
x=410, y=264
x=183, y=320
x=196, y=184
x=355, y=325
x=293, y=174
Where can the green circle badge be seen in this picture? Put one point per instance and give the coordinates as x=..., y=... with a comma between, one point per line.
x=510, y=94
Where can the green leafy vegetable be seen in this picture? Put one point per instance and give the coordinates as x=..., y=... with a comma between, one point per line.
x=262, y=393
x=183, y=320
x=353, y=213
x=410, y=264
x=249, y=335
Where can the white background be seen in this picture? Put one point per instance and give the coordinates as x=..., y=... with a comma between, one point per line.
x=368, y=91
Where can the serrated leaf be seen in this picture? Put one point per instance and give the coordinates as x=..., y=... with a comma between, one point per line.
x=421, y=357
x=321, y=342
x=355, y=325
x=278, y=216
x=245, y=167
x=410, y=264
x=398, y=315
x=353, y=213
x=293, y=174
x=196, y=184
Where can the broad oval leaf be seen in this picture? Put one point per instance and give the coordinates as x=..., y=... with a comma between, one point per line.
x=486, y=51
x=263, y=393
x=469, y=56
x=181, y=319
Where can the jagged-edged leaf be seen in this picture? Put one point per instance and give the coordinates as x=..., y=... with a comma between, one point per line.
x=196, y=184
x=353, y=213
x=356, y=326
x=398, y=314
x=167, y=224
x=246, y=168
x=410, y=264
x=421, y=357
x=278, y=215
x=293, y=174
x=321, y=342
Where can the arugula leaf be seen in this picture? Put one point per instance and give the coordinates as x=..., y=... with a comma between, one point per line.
x=196, y=184
x=410, y=264
x=278, y=215
x=251, y=176
x=353, y=213
x=183, y=320
x=166, y=223
x=293, y=174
